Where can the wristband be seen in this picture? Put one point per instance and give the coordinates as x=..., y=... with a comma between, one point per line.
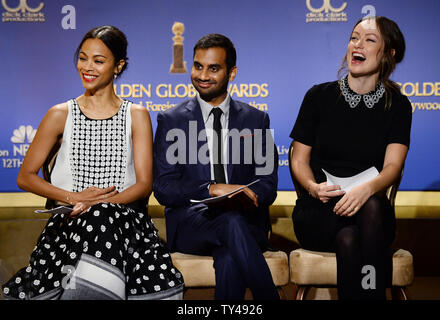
x=68, y=199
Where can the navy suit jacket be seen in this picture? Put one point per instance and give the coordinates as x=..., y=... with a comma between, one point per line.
x=176, y=184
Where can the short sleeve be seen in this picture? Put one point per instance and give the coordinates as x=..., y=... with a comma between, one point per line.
x=304, y=130
x=400, y=127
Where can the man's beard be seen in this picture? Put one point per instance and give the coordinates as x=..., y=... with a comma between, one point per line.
x=211, y=94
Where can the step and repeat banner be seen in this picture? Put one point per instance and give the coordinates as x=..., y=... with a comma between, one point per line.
x=284, y=47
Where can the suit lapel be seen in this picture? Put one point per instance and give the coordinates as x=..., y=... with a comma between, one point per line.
x=195, y=114
x=235, y=122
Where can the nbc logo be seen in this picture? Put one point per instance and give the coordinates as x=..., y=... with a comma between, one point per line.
x=23, y=133
x=22, y=138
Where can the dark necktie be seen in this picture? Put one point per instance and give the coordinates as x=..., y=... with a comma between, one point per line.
x=219, y=171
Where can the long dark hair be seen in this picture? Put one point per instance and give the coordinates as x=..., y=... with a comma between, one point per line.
x=393, y=40
x=113, y=38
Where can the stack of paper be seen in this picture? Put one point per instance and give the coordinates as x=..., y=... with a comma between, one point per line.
x=349, y=183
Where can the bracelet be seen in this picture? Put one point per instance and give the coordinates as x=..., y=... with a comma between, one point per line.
x=68, y=199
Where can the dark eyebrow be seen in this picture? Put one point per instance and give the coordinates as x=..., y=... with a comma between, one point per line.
x=372, y=34
x=96, y=55
x=215, y=65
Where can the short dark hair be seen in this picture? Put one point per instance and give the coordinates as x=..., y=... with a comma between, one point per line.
x=218, y=40
x=113, y=38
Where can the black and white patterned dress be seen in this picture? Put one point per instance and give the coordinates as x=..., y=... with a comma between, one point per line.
x=112, y=251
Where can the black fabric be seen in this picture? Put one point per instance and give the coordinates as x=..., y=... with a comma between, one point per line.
x=360, y=240
x=344, y=140
x=219, y=171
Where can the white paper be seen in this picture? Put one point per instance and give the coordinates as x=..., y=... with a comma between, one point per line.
x=348, y=183
x=219, y=198
x=60, y=209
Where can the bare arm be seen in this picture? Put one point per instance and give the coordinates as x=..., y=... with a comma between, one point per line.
x=48, y=134
x=304, y=174
x=353, y=200
x=395, y=156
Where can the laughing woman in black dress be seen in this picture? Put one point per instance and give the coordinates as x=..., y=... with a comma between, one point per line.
x=107, y=247
x=346, y=127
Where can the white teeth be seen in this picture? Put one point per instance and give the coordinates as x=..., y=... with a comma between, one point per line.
x=89, y=77
x=358, y=55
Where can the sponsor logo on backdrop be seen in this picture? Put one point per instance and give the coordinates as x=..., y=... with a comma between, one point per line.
x=421, y=89
x=22, y=12
x=21, y=139
x=325, y=12
x=23, y=134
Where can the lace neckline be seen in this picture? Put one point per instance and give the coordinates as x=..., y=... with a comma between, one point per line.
x=353, y=98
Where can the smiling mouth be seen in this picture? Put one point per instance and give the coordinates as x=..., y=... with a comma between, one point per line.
x=89, y=78
x=205, y=84
x=358, y=57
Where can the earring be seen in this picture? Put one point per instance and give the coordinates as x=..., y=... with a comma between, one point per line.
x=115, y=75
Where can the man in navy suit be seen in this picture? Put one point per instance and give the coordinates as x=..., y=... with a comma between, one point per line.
x=207, y=147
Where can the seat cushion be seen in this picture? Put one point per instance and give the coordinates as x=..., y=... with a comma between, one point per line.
x=319, y=268
x=278, y=263
x=198, y=271
x=403, y=269
x=312, y=267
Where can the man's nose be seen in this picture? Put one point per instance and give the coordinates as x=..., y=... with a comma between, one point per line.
x=204, y=75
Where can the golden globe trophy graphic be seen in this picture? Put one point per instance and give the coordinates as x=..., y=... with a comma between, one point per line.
x=178, y=65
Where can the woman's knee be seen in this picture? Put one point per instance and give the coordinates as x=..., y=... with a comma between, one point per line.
x=374, y=203
x=373, y=211
x=347, y=239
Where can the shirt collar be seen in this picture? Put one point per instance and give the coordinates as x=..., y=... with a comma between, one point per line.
x=206, y=107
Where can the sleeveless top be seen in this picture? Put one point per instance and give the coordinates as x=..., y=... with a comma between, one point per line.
x=95, y=152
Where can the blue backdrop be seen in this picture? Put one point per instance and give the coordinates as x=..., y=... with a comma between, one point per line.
x=284, y=47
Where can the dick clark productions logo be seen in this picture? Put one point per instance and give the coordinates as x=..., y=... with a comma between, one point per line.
x=22, y=12
x=326, y=12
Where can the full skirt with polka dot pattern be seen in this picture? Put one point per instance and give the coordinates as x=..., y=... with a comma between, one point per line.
x=110, y=252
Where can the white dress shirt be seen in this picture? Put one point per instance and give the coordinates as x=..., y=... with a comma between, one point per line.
x=208, y=119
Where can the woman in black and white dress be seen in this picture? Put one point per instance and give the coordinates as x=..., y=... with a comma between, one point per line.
x=107, y=247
